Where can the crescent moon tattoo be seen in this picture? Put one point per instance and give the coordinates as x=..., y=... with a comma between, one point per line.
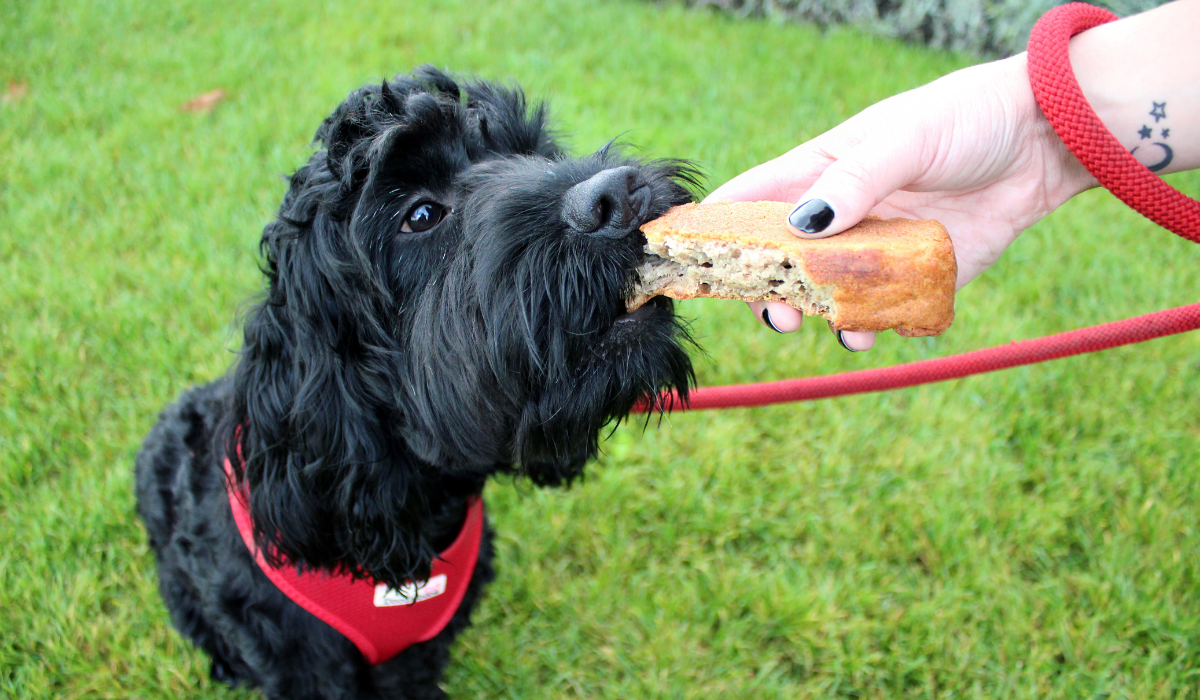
x=1168, y=154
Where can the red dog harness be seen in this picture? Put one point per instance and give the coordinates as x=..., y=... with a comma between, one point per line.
x=381, y=621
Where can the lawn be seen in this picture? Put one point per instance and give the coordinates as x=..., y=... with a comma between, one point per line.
x=1032, y=533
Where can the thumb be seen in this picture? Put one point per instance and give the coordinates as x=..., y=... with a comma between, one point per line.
x=850, y=188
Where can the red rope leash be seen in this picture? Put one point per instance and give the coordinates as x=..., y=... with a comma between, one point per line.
x=1025, y=352
x=1063, y=102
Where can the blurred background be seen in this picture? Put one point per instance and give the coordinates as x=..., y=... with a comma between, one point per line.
x=1031, y=533
x=992, y=28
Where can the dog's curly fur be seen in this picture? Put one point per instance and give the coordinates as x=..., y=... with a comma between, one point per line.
x=389, y=371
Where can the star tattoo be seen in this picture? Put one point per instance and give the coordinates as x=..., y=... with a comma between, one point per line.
x=1159, y=111
x=1145, y=132
x=1166, y=133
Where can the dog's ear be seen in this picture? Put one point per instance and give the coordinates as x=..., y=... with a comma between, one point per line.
x=314, y=403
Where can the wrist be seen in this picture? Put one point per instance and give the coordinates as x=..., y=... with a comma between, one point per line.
x=1063, y=176
x=1141, y=75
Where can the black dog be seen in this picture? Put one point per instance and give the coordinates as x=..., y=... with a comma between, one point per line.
x=445, y=301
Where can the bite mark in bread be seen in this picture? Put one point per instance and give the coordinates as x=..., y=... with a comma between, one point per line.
x=881, y=274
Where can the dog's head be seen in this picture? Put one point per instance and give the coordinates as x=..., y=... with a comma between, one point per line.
x=446, y=299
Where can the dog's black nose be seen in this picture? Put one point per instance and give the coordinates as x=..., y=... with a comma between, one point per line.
x=607, y=204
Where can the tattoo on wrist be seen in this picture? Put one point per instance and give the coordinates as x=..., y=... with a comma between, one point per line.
x=1158, y=110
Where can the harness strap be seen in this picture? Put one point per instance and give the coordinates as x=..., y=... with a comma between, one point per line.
x=379, y=620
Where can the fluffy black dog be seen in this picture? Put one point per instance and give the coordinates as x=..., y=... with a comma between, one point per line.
x=445, y=302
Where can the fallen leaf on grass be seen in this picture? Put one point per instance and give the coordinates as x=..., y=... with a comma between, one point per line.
x=16, y=91
x=203, y=103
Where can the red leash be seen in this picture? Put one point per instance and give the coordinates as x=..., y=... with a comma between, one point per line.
x=1063, y=102
x=1025, y=352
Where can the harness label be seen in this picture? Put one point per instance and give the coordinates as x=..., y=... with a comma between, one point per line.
x=410, y=592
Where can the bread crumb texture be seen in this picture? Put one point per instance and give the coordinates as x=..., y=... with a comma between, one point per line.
x=881, y=274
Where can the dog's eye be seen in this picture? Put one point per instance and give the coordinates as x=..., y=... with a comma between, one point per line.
x=423, y=217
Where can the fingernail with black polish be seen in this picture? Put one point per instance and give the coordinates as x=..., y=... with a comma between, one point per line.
x=813, y=216
x=767, y=319
x=842, y=342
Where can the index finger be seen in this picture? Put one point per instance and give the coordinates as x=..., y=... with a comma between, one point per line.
x=783, y=179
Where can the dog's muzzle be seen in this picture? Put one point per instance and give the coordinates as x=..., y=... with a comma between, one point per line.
x=610, y=204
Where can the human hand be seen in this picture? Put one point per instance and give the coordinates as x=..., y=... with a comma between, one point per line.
x=971, y=150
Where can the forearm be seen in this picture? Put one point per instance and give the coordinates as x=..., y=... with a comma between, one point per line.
x=1142, y=76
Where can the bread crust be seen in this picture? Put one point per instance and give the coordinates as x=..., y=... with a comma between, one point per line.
x=879, y=275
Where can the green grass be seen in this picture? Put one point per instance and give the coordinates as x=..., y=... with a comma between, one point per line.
x=1032, y=533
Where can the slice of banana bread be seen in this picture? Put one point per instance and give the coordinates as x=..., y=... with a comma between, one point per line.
x=881, y=274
